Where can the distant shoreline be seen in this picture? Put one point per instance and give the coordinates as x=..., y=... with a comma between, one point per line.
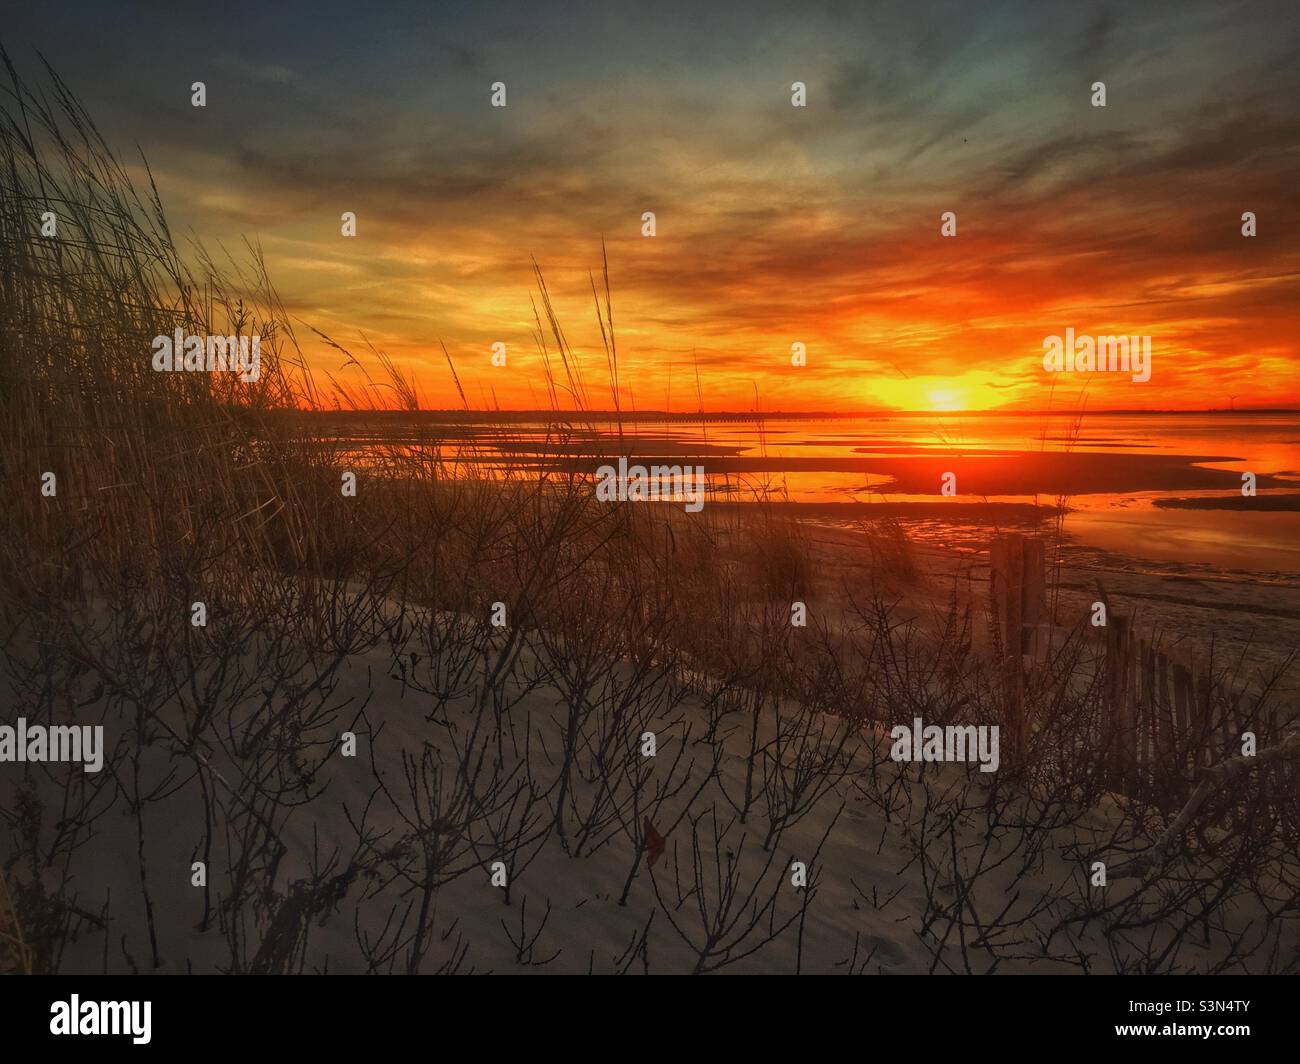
x=631, y=417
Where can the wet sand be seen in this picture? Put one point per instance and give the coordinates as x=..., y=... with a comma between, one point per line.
x=1241, y=620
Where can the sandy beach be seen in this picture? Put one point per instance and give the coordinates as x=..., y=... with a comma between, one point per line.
x=876, y=839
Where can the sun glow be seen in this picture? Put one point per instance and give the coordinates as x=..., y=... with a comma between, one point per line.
x=945, y=399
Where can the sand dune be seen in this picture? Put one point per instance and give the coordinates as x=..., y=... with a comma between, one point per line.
x=878, y=899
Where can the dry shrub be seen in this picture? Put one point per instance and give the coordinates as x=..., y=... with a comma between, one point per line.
x=892, y=556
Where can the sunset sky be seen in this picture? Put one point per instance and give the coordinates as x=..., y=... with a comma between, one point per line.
x=776, y=224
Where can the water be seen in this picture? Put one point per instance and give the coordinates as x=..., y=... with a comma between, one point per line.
x=1113, y=471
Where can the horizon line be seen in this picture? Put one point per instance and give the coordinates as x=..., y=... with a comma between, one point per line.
x=635, y=415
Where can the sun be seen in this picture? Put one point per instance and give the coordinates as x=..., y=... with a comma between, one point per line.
x=946, y=399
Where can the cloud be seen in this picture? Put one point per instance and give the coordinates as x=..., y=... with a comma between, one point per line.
x=775, y=223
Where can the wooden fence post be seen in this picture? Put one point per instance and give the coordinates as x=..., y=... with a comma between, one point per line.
x=1018, y=595
x=1117, y=684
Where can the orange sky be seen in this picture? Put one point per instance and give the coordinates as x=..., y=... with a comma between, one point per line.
x=775, y=224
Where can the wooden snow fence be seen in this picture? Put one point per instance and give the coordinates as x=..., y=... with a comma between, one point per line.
x=1168, y=716
x=1165, y=715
